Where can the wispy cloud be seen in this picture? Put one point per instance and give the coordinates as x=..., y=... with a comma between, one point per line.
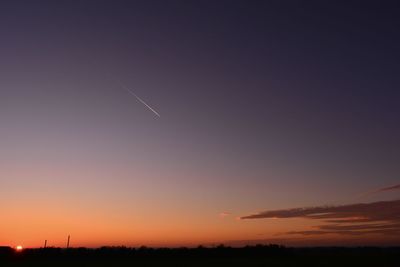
x=380, y=190
x=389, y=188
x=354, y=219
x=224, y=214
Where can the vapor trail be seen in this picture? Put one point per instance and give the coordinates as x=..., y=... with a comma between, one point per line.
x=139, y=99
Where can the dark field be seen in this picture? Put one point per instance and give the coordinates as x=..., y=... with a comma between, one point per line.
x=271, y=255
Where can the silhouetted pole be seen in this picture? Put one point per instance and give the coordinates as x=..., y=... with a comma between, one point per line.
x=45, y=243
x=68, y=241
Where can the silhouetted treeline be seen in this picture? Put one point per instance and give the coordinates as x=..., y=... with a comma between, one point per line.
x=260, y=255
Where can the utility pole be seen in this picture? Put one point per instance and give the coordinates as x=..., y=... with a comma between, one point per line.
x=68, y=241
x=45, y=243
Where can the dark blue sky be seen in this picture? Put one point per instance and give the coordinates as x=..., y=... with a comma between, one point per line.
x=264, y=104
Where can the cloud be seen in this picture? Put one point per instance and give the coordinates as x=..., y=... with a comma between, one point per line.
x=389, y=188
x=224, y=214
x=381, y=190
x=354, y=219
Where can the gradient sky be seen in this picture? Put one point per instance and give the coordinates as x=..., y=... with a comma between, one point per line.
x=264, y=105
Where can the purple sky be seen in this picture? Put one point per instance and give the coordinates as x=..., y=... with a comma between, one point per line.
x=265, y=105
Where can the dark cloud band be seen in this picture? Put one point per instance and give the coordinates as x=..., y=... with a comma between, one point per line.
x=354, y=219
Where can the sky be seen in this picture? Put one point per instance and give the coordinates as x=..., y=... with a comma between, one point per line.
x=179, y=123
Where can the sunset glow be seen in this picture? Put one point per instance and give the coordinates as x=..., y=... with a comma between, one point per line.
x=187, y=123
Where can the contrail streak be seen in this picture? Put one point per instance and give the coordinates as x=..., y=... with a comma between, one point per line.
x=139, y=99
